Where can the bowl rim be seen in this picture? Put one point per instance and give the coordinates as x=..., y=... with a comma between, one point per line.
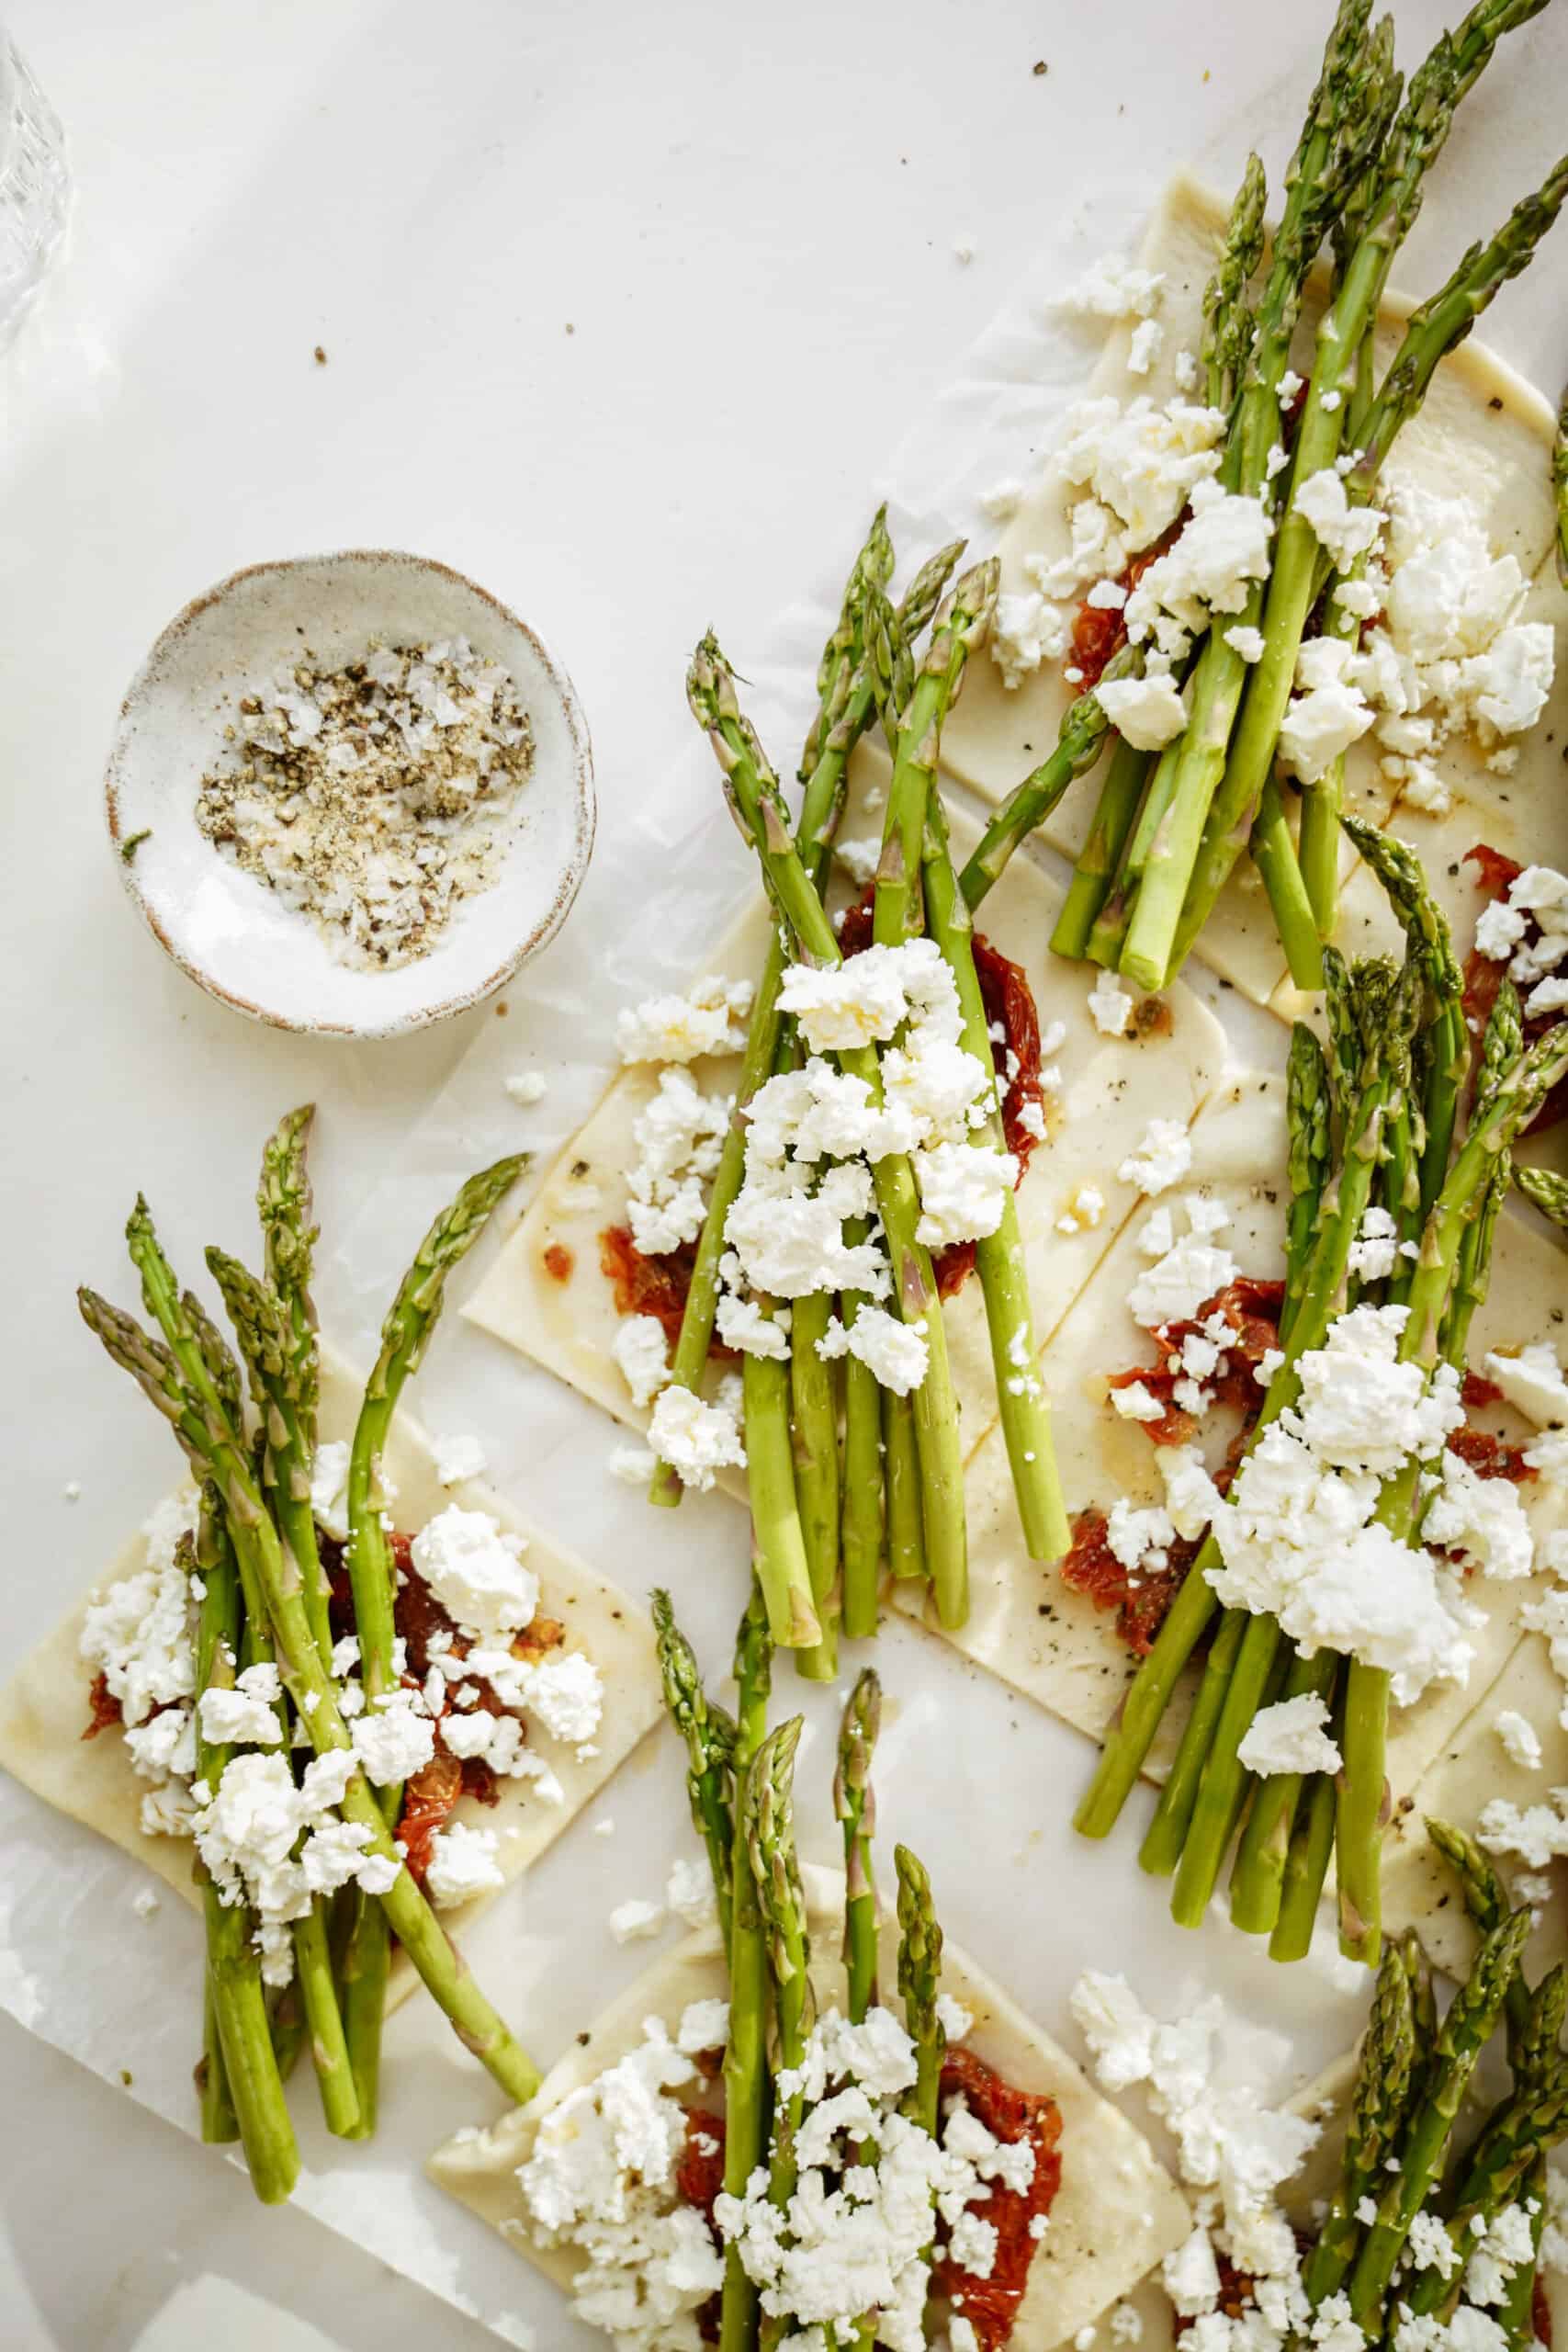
x=584, y=799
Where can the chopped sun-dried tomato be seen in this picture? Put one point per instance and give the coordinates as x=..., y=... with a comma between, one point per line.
x=1141, y=1597
x=1098, y=631
x=1489, y=1456
x=104, y=1708
x=655, y=1287
x=1484, y=974
x=428, y=1801
x=1252, y=1308
x=558, y=1261
x=990, y=2304
x=699, y=2176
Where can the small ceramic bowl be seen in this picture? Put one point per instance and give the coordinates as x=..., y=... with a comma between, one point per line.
x=231, y=934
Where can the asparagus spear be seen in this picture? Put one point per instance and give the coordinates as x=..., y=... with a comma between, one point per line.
x=1079, y=741
x=1380, y=2105
x=1559, y=488
x=767, y=1825
x=1000, y=1257
x=1116, y=812
x=753, y=791
x=778, y=1539
x=1228, y=326
x=1515, y=2138
x=1325, y=1274
x=919, y=1981
x=814, y=1421
x=1546, y=1191
x=845, y=707
x=238, y=2060
x=854, y=1804
x=173, y=1373
x=747, y=2085
x=1460, y=2039
x=405, y=1336
x=1246, y=792
x=710, y=1740
x=958, y=629
x=1349, y=110
x=1486, y=1904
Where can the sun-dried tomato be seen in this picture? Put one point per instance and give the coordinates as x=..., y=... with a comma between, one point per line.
x=1484, y=974
x=990, y=2305
x=558, y=1261
x=655, y=1287
x=1540, y=2311
x=1141, y=1597
x=699, y=2176
x=1489, y=1456
x=1099, y=631
x=429, y=1799
x=1252, y=1307
x=1238, y=2293
x=103, y=1707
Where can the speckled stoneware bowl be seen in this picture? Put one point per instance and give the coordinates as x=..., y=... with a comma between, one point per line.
x=231, y=934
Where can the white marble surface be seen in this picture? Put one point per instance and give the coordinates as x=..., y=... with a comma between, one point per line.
x=746, y=217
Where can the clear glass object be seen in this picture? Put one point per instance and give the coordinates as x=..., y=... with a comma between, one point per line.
x=35, y=188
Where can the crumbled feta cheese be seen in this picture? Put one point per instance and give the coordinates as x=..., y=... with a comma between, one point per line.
x=274, y=1844
x=1027, y=630
x=965, y=1187
x=458, y=1458
x=1110, y=1005
x=1538, y=1833
x=246, y=1714
x=1146, y=712
x=689, y=1896
x=328, y=1488
x=634, y=1920
x=1148, y=340
x=1141, y=462
x=1112, y=287
x=393, y=1739
x=697, y=1439
x=1191, y=2277
x=1348, y=532
x=475, y=1569
x=462, y=1865
x=1192, y=1270
x=642, y=1353
x=634, y=1466
x=1533, y=1383
x=678, y=1137
x=1137, y=1403
x=895, y=1352
x=1375, y=1249
x=745, y=1326
x=526, y=1088
x=1328, y=714
x=1520, y=1739
x=1161, y=1160
x=1292, y=1736
x=1002, y=501
x=1247, y=642
x=710, y=1020
x=1481, y=1519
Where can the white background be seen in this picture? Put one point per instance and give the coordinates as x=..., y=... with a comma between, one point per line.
x=747, y=216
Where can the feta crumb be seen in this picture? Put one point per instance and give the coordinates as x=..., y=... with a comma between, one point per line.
x=1247, y=642
x=1292, y=1736
x=711, y=1020
x=1520, y=1739
x=1002, y=501
x=642, y=1352
x=458, y=1458
x=690, y=1897
x=894, y=1351
x=1110, y=1005
x=634, y=1920
x=475, y=1569
x=634, y=1466
x=697, y=1439
x=462, y=1865
x=1161, y=1160
x=1112, y=287
x=1146, y=712
x=526, y=1088
x=1532, y=1382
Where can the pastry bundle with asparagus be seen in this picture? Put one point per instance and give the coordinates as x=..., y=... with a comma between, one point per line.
x=1420, y=2226
x=295, y=1792
x=1171, y=822
x=868, y=1147
x=1321, y=1591
x=834, y=2186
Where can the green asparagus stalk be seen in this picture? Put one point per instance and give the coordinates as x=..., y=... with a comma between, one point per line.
x=753, y=790
x=1228, y=326
x=1484, y=1900
x=1460, y=2039
x=854, y=1804
x=814, y=1421
x=1516, y=2314
x=778, y=1539
x=1380, y=2105
x=1116, y=813
x=174, y=1375
x=1257, y=1876
x=1559, y=488
x=767, y=1825
x=1339, y=1217
x=1306, y=1860
x=1246, y=792
x=845, y=708
x=959, y=628
x=1546, y=1191
x=1516, y=2137
x=1502, y=1042
x=747, y=2084
x=919, y=1983
x=237, y=2063
x=999, y=1256
x=1079, y=743
x=1349, y=109
x=861, y=1525
x=709, y=1737
x=901, y=1466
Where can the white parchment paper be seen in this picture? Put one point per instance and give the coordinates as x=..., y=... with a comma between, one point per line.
x=972, y=1776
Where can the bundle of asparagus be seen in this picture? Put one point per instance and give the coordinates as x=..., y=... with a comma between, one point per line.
x=843, y=1479
x=262, y=1595
x=1170, y=828
x=1373, y=1123
x=741, y=1783
x=1414, y=2228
